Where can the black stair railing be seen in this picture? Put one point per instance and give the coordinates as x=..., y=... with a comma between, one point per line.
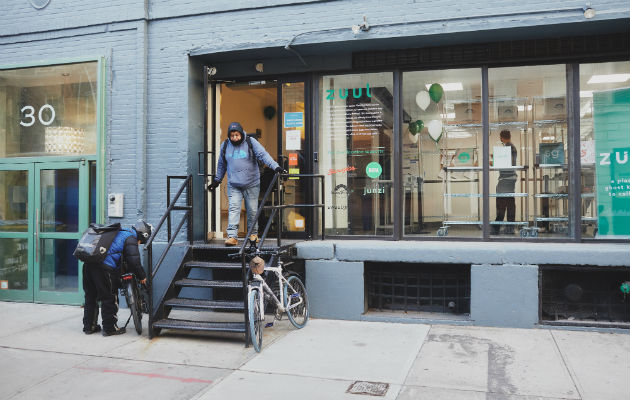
x=276, y=211
x=186, y=217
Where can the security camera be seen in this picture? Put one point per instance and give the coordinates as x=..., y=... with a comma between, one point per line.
x=112, y=198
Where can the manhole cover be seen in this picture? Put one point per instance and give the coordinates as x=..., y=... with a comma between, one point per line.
x=371, y=388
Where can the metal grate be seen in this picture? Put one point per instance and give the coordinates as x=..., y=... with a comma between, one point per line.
x=566, y=49
x=369, y=388
x=587, y=295
x=439, y=288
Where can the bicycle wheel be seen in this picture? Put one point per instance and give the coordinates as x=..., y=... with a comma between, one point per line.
x=132, y=301
x=256, y=319
x=296, y=302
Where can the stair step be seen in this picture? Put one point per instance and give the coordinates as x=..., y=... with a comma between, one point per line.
x=169, y=323
x=208, y=283
x=198, y=304
x=213, y=265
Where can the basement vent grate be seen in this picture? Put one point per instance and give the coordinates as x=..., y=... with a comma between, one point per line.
x=369, y=388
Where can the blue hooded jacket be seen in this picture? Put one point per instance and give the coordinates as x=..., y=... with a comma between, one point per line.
x=114, y=255
x=242, y=169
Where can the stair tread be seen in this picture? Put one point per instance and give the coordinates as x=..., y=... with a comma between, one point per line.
x=214, y=264
x=204, y=304
x=169, y=323
x=208, y=283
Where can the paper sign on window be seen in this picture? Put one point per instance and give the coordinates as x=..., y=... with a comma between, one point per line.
x=294, y=140
x=502, y=156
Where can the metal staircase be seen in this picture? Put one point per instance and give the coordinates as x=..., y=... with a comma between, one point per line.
x=217, y=275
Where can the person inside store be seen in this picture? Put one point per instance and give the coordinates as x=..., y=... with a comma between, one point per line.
x=101, y=282
x=239, y=157
x=506, y=184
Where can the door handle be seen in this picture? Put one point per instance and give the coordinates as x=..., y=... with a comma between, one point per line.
x=36, y=236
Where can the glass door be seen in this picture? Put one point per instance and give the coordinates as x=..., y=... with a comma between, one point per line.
x=16, y=232
x=60, y=215
x=295, y=150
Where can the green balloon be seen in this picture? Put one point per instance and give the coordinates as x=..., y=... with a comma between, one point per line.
x=419, y=125
x=413, y=128
x=436, y=92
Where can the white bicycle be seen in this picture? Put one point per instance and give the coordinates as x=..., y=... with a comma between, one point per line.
x=290, y=298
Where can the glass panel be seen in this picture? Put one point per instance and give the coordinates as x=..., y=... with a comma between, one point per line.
x=13, y=264
x=293, y=137
x=605, y=148
x=442, y=151
x=13, y=201
x=59, y=200
x=356, y=141
x=528, y=104
x=59, y=269
x=48, y=110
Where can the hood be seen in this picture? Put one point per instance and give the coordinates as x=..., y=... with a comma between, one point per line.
x=235, y=126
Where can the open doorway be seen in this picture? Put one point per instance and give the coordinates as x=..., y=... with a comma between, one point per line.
x=254, y=106
x=274, y=113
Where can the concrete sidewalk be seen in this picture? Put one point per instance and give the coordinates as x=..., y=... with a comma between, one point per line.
x=44, y=354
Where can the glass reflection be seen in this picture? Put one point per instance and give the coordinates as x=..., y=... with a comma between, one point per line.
x=49, y=111
x=356, y=140
x=13, y=264
x=442, y=150
x=59, y=190
x=14, y=201
x=58, y=267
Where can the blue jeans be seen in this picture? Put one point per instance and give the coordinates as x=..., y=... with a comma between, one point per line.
x=236, y=196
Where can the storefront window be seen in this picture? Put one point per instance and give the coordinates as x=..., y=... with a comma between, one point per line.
x=442, y=153
x=605, y=149
x=529, y=176
x=48, y=111
x=356, y=142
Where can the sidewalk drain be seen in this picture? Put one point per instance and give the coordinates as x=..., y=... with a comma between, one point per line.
x=370, y=388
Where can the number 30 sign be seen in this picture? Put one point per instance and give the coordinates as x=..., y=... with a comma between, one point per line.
x=29, y=115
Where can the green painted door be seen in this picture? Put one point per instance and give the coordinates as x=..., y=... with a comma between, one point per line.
x=46, y=205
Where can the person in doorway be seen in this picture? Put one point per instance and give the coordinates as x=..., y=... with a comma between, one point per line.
x=506, y=184
x=239, y=157
x=101, y=281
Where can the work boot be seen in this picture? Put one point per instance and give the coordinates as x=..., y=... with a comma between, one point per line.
x=253, y=238
x=231, y=241
x=92, y=329
x=115, y=331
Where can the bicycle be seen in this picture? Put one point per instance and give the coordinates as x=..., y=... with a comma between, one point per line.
x=292, y=299
x=130, y=288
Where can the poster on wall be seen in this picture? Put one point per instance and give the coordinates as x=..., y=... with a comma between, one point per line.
x=611, y=121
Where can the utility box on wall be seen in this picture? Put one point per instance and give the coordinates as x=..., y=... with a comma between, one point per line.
x=115, y=203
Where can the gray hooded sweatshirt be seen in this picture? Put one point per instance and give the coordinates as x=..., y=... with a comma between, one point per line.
x=242, y=168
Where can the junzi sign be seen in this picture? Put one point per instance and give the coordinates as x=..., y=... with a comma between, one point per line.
x=343, y=93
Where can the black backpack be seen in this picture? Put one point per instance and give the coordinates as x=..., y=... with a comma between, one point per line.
x=95, y=242
x=261, y=165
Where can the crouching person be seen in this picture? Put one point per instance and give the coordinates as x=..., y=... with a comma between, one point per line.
x=101, y=281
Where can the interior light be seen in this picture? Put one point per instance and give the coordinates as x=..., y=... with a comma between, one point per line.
x=586, y=93
x=449, y=87
x=609, y=78
x=448, y=115
x=522, y=108
x=459, y=134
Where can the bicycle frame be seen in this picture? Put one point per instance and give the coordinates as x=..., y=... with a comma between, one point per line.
x=259, y=282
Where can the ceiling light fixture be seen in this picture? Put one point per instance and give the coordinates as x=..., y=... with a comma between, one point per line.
x=448, y=87
x=609, y=78
x=365, y=26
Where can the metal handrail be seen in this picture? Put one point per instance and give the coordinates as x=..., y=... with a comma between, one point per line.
x=274, y=213
x=187, y=217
